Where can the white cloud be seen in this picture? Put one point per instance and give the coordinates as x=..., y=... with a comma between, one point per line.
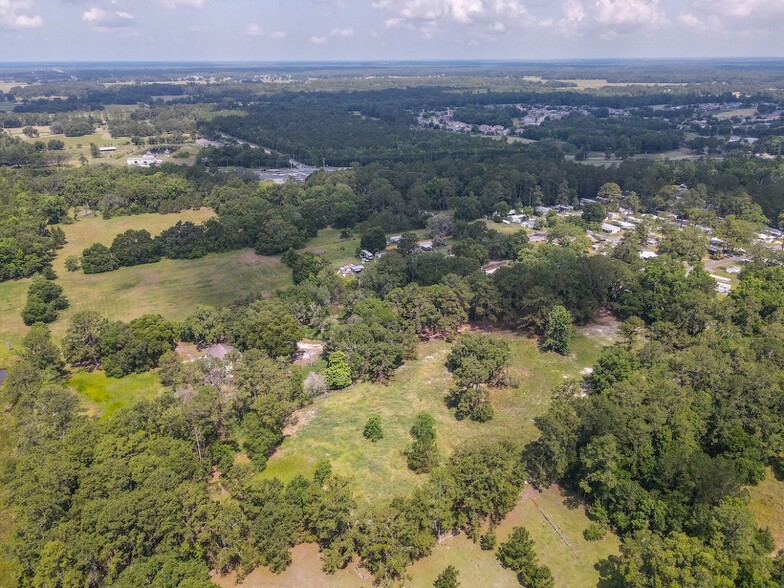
x=610, y=18
x=426, y=16
x=747, y=17
x=278, y=34
x=180, y=3
x=318, y=40
x=107, y=20
x=341, y=33
x=688, y=19
x=17, y=14
x=253, y=30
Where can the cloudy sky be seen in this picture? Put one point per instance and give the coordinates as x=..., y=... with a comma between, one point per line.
x=271, y=30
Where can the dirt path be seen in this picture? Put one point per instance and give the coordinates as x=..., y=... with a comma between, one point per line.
x=308, y=352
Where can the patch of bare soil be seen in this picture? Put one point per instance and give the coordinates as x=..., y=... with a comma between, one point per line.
x=250, y=257
x=299, y=419
x=605, y=328
x=188, y=351
x=308, y=352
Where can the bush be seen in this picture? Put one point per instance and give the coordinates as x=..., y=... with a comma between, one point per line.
x=594, y=532
x=373, y=430
x=488, y=541
x=422, y=454
x=72, y=263
x=314, y=385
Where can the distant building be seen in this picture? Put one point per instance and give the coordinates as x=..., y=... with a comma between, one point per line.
x=203, y=143
x=426, y=245
x=106, y=149
x=146, y=160
x=611, y=229
x=648, y=254
x=219, y=350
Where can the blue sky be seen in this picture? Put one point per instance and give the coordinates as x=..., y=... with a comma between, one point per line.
x=272, y=30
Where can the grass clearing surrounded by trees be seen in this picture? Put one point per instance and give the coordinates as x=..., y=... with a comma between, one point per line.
x=102, y=395
x=171, y=287
x=332, y=427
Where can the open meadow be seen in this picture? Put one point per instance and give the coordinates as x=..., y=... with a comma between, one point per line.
x=332, y=427
x=171, y=287
x=101, y=396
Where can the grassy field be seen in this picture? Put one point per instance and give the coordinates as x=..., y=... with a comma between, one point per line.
x=171, y=287
x=332, y=428
x=572, y=567
x=102, y=395
x=341, y=251
x=682, y=154
x=740, y=112
x=77, y=146
x=338, y=251
x=767, y=504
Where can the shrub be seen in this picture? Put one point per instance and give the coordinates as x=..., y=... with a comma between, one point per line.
x=488, y=541
x=72, y=263
x=373, y=430
x=594, y=532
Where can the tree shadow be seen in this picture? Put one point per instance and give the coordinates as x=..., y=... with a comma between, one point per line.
x=609, y=572
x=777, y=465
x=572, y=500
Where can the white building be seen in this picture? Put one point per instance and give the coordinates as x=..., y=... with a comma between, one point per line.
x=107, y=148
x=146, y=160
x=611, y=229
